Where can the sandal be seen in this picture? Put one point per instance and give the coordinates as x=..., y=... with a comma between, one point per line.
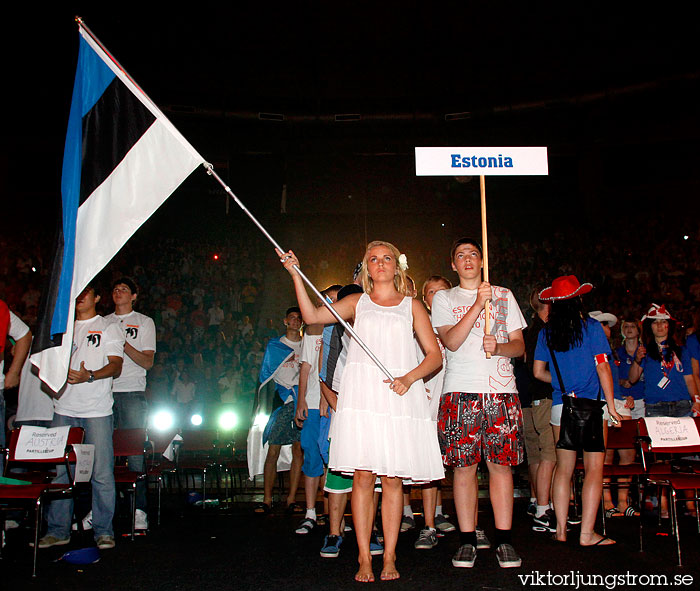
x=604, y=541
x=631, y=512
x=294, y=508
x=613, y=512
x=261, y=509
x=305, y=527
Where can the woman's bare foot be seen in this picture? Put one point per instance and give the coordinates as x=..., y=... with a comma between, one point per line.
x=389, y=572
x=364, y=574
x=594, y=539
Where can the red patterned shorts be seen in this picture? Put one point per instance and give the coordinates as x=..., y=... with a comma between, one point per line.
x=472, y=425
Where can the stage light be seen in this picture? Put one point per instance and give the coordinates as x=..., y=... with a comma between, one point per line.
x=685, y=237
x=163, y=420
x=228, y=420
x=216, y=257
x=196, y=419
x=261, y=420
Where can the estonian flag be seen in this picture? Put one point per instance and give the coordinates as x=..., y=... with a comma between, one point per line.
x=122, y=160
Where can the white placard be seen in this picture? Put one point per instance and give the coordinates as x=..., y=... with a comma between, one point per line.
x=169, y=453
x=481, y=161
x=672, y=432
x=34, y=443
x=85, y=457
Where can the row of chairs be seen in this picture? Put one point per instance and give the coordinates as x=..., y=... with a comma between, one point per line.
x=658, y=467
x=195, y=452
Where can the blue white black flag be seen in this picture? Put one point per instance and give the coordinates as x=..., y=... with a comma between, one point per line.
x=122, y=160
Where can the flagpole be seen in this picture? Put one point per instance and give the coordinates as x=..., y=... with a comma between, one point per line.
x=210, y=171
x=485, y=259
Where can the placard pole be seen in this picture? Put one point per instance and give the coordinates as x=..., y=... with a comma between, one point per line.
x=485, y=259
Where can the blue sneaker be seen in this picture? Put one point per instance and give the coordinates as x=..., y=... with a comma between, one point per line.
x=375, y=548
x=331, y=546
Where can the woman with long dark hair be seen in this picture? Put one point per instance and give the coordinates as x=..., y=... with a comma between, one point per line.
x=669, y=388
x=577, y=351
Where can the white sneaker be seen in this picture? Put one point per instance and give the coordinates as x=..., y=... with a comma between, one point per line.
x=87, y=522
x=141, y=519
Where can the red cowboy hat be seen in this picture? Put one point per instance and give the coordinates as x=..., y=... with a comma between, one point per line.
x=564, y=288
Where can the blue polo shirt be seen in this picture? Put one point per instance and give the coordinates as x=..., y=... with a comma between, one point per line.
x=577, y=365
x=637, y=390
x=676, y=389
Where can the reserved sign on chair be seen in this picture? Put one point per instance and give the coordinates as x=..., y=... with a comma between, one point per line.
x=672, y=432
x=34, y=443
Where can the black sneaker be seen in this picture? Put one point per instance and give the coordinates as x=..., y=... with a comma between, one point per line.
x=547, y=521
x=465, y=556
x=507, y=556
x=532, y=509
x=573, y=519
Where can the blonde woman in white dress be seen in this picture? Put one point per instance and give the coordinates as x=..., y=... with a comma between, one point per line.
x=381, y=428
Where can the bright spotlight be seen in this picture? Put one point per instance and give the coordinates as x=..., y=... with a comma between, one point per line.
x=196, y=420
x=228, y=420
x=685, y=237
x=163, y=420
x=261, y=420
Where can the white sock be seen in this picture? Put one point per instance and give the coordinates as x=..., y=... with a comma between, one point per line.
x=541, y=510
x=311, y=514
x=407, y=511
x=533, y=500
x=438, y=509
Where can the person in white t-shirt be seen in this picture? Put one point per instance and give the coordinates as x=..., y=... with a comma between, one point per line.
x=480, y=414
x=19, y=332
x=130, y=405
x=86, y=401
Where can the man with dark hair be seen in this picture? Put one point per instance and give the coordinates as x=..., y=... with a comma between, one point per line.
x=479, y=413
x=281, y=366
x=130, y=405
x=86, y=401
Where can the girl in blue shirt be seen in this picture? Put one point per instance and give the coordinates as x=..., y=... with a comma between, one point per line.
x=581, y=350
x=669, y=388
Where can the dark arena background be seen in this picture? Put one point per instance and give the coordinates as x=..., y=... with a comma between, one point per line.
x=311, y=111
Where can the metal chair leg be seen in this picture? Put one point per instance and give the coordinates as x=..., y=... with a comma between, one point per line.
x=133, y=511
x=37, y=524
x=674, y=522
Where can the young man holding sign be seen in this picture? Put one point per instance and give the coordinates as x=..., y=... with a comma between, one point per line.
x=86, y=401
x=480, y=411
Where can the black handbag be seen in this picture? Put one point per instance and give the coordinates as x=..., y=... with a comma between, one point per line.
x=581, y=420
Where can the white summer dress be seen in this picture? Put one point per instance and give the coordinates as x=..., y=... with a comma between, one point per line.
x=374, y=428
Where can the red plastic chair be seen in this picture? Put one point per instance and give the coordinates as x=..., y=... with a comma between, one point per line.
x=37, y=492
x=624, y=437
x=669, y=475
x=128, y=442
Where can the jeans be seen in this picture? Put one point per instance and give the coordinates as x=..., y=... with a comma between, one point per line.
x=98, y=431
x=131, y=412
x=673, y=408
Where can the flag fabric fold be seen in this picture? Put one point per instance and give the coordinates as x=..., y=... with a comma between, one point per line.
x=123, y=158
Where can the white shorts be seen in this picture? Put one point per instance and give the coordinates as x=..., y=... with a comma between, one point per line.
x=621, y=409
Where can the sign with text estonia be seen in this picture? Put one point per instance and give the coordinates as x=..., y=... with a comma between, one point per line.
x=481, y=161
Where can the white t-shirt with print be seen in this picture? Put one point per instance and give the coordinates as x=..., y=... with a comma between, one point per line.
x=94, y=340
x=140, y=332
x=310, y=349
x=468, y=370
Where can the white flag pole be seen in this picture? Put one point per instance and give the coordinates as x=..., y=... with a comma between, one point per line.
x=210, y=170
x=365, y=348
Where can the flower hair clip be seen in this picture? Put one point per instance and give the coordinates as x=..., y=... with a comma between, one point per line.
x=403, y=262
